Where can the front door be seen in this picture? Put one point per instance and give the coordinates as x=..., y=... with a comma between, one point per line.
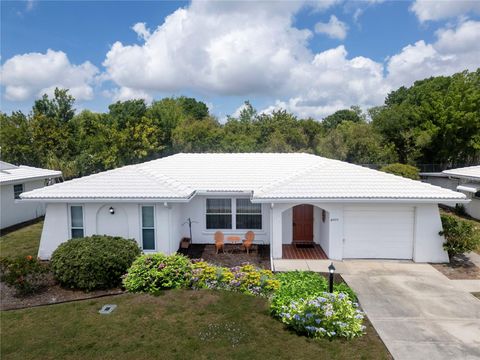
x=303, y=224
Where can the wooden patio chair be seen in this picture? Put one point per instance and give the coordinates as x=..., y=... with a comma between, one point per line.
x=248, y=241
x=219, y=241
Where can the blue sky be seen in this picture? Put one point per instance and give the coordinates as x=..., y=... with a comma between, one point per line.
x=311, y=58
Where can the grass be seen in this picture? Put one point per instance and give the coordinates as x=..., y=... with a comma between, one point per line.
x=22, y=242
x=178, y=324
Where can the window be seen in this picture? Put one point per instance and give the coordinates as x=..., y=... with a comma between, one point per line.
x=17, y=190
x=148, y=228
x=219, y=213
x=76, y=221
x=249, y=215
x=477, y=195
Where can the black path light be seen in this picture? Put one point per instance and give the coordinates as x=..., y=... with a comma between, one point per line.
x=331, y=270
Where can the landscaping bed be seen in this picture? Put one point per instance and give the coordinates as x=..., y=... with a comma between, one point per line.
x=178, y=324
x=459, y=268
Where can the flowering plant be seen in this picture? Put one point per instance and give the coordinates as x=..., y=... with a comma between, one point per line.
x=26, y=274
x=155, y=272
x=329, y=315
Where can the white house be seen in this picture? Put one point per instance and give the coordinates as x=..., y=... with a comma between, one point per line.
x=14, y=180
x=351, y=211
x=465, y=180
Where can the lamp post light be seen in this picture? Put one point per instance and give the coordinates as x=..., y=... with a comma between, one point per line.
x=331, y=270
x=111, y=210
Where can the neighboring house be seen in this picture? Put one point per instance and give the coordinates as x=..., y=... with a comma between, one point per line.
x=465, y=180
x=14, y=180
x=351, y=211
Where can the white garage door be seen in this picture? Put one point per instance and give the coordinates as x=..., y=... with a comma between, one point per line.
x=378, y=233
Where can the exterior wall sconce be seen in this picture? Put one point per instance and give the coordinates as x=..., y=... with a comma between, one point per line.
x=111, y=210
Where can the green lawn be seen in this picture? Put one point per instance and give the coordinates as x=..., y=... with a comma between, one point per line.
x=22, y=242
x=178, y=324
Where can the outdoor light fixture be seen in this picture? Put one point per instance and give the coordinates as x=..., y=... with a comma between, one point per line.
x=331, y=270
x=111, y=210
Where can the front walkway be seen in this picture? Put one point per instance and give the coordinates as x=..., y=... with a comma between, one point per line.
x=417, y=311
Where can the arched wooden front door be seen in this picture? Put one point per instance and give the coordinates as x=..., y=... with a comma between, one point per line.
x=303, y=224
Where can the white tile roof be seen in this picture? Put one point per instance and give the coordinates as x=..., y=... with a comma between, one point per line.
x=265, y=175
x=11, y=173
x=470, y=172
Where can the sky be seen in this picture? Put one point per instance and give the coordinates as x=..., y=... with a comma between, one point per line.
x=308, y=57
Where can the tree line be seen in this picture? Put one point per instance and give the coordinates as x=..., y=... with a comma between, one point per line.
x=435, y=121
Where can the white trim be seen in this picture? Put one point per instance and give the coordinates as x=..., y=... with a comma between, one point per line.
x=148, y=228
x=359, y=200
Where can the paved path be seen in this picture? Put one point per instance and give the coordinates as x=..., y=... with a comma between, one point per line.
x=417, y=311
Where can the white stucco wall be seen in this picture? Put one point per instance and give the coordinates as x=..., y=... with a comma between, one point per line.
x=12, y=212
x=428, y=243
x=196, y=210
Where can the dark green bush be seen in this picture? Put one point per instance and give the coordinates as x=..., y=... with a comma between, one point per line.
x=460, y=236
x=26, y=274
x=407, y=171
x=296, y=285
x=151, y=273
x=96, y=262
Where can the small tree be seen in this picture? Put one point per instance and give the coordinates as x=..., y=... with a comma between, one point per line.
x=460, y=236
x=407, y=171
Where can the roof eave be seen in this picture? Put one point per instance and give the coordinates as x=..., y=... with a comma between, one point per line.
x=363, y=200
x=29, y=178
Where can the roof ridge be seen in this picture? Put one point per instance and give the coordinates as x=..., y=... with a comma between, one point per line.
x=283, y=180
x=172, y=183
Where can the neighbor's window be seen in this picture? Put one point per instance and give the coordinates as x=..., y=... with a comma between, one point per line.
x=148, y=228
x=219, y=213
x=17, y=190
x=76, y=220
x=249, y=215
x=477, y=195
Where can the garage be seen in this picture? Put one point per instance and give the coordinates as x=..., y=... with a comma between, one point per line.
x=378, y=233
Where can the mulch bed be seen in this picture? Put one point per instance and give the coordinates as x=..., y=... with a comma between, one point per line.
x=51, y=294
x=233, y=256
x=459, y=268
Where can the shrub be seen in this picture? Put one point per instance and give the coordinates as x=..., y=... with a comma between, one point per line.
x=324, y=316
x=26, y=274
x=155, y=272
x=296, y=285
x=407, y=171
x=96, y=262
x=460, y=236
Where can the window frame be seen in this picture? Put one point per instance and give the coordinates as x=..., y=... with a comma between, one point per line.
x=233, y=215
x=71, y=221
x=16, y=194
x=142, y=227
x=253, y=214
x=222, y=214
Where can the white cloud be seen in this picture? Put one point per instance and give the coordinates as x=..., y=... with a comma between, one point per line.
x=142, y=31
x=335, y=28
x=427, y=10
x=454, y=50
x=33, y=74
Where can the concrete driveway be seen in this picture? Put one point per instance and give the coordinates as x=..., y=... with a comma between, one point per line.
x=417, y=311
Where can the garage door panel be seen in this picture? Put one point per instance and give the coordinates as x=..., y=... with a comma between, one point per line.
x=386, y=234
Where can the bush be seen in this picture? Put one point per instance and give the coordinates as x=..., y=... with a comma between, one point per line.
x=460, y=236
x=155, y=272
x=26, y=274
x=324, y=316
x=296, y=285
x=96, y=262
x=246, y=279
x=407, y=171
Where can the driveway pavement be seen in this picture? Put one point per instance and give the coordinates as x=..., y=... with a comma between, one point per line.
x=417, y=311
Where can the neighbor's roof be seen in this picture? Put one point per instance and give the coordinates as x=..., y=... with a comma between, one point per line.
x=264, y=175
x=10, y=173
x=470, y=172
